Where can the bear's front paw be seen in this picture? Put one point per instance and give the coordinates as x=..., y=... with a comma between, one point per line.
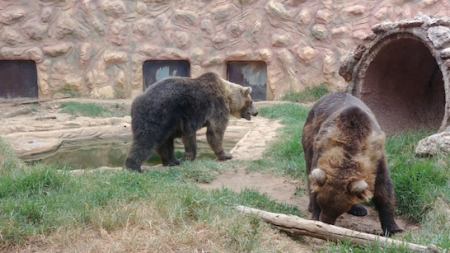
x=188, y=157
x=223, y=156
x=131, y=165
x=172, y=162
x=315, y=215
x=357, y=210
x=393, y=230
x=135, y=170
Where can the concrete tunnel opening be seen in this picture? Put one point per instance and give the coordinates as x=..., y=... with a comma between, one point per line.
x=403, y=85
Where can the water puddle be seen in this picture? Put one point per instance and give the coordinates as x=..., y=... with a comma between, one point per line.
x=111, y=152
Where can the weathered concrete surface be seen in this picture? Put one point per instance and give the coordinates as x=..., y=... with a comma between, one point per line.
x=30, y=140
x=98, y=47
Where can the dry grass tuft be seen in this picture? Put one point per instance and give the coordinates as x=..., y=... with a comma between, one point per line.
x=147, y=230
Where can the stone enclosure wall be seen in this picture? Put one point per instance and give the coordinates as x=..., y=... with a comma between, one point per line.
x=98, y=47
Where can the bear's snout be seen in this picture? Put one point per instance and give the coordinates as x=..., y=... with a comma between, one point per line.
x=253, y=111
x=250, y=114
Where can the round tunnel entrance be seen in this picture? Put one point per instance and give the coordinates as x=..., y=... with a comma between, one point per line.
x=404, y=87
x=402, y=72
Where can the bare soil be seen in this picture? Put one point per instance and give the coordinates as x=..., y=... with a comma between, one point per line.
x=254, y=135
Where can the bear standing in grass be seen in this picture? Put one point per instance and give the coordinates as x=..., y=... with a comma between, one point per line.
x=345, y=161
x=179, y=106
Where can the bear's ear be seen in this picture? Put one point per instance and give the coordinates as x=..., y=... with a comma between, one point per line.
x=319, y=177
x=359, y=188
x=245, y=91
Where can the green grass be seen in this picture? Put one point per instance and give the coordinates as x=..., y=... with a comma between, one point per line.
x=66, y=89
x=309, y=94
x=285, y=156
x=8, y=159
x=39, y=199
x=90, y=110
x=417, y=180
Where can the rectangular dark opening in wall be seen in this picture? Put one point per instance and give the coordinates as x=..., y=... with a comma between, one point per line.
x=249, y=73
x=18, y=79
x=155, y=70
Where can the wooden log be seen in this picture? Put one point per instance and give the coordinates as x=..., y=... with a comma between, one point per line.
x=32, y=101
x=17, y=112
x=296, y=225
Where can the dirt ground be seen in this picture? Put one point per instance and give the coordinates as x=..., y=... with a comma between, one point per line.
x=253, y=136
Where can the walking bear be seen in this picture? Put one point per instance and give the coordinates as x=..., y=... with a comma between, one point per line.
x=179, y=106
x=345, y=161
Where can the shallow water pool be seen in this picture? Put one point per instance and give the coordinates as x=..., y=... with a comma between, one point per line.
x=110, y=152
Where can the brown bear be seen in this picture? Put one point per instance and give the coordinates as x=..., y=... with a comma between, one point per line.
x=179, y=106
x=345, y=161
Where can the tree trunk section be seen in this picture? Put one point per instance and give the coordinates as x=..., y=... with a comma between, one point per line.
x=296, y=225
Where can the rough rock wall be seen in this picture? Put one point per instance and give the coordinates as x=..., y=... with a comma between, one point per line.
x=98, y=47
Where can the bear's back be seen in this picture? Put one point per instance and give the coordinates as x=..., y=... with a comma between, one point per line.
x=184, y=92
x=345, y=131
x=330, y=108
x=180, y=103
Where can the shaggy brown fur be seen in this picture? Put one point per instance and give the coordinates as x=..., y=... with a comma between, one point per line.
x=345, y=161
x=177, y=107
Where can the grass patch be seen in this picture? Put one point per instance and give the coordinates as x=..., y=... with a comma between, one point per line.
x=8, y=159
x=38, y=200
x=67, y=90
x=417, y=180
x=201, y=171
x=309, y=94
x=285, y=156
x=91, y=110
x=41, y=200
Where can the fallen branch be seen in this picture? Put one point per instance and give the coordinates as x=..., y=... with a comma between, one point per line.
x=17, y=112
x=296, y=225
x=32, y=101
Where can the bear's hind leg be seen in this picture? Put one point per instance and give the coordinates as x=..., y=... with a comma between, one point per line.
x=137, y=155
x=190, y=147
x=167, y=153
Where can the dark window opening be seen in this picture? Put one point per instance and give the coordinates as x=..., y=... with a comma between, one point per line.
x=18, y=79
x=252, y=74
x=156, y=70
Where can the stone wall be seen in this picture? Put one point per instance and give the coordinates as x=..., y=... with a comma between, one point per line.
x=98, y=47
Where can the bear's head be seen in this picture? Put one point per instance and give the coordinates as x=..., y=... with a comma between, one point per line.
x=248, y=110
x=239, y=101
x=335, y=195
